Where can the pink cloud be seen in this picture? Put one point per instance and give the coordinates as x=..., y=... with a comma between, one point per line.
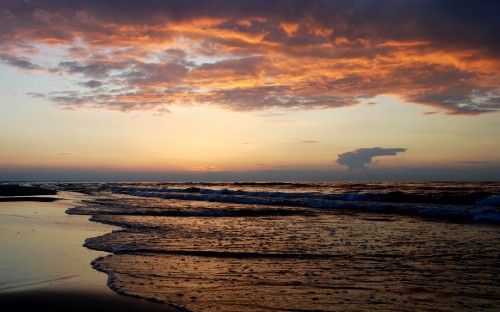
x=261, y=55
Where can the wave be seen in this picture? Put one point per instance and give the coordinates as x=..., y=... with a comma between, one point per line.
x=493, y=200
x=130, y=207
x=241, y=254
x=469, y=198
x=475, y=206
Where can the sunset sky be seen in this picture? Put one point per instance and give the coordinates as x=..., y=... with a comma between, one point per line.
x=249, y=90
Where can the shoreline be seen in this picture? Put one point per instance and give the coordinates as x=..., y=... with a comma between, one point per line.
x=4, y=199
x=45, y=265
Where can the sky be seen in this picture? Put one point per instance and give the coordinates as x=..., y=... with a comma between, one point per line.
x=126, y=90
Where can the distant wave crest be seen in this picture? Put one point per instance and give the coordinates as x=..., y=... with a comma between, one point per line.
x=472, y=206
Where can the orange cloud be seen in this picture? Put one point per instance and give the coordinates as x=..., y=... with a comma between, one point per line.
x=307, y=54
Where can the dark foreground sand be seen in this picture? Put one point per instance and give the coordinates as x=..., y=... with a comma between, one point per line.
x=43, y=264
x=74, y=301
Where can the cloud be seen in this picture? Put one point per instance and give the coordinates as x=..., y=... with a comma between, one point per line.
x=36, y=95
x=203, y=169
x=309, y=141
x=92, y=69
x=261, y=55
x=92, y=84
x=19, y=62
x=361, y=157
x=147, y=75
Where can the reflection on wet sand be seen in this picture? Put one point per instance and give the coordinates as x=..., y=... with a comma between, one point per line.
x=44, y=265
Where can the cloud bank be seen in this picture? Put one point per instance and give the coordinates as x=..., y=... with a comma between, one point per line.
x=262, y=54
x=360, y=158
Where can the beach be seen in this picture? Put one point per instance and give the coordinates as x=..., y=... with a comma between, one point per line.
x=43, y=264
x=332, y=246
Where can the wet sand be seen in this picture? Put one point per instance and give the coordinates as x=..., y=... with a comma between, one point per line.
x=43, y=264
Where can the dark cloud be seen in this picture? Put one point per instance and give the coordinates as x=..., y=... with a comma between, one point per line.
x=276, y=97
x=451, y=22
x=152, y=74
x=176, y=56
x=36, y=95
x=361, y=157
x=119, y=100
x=264, y=54
x=18, y=62
x=461, y=99
x=247, y=66
x=91, y=69
x=309, y=142
x=70, y=99
x=92, y=84
x=250, y=98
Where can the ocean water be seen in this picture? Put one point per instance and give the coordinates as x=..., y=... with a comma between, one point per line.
x=300, y=246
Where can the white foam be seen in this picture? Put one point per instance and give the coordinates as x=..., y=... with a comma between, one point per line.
x=493, y=200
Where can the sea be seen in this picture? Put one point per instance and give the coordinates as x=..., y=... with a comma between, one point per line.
x=309, y=246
